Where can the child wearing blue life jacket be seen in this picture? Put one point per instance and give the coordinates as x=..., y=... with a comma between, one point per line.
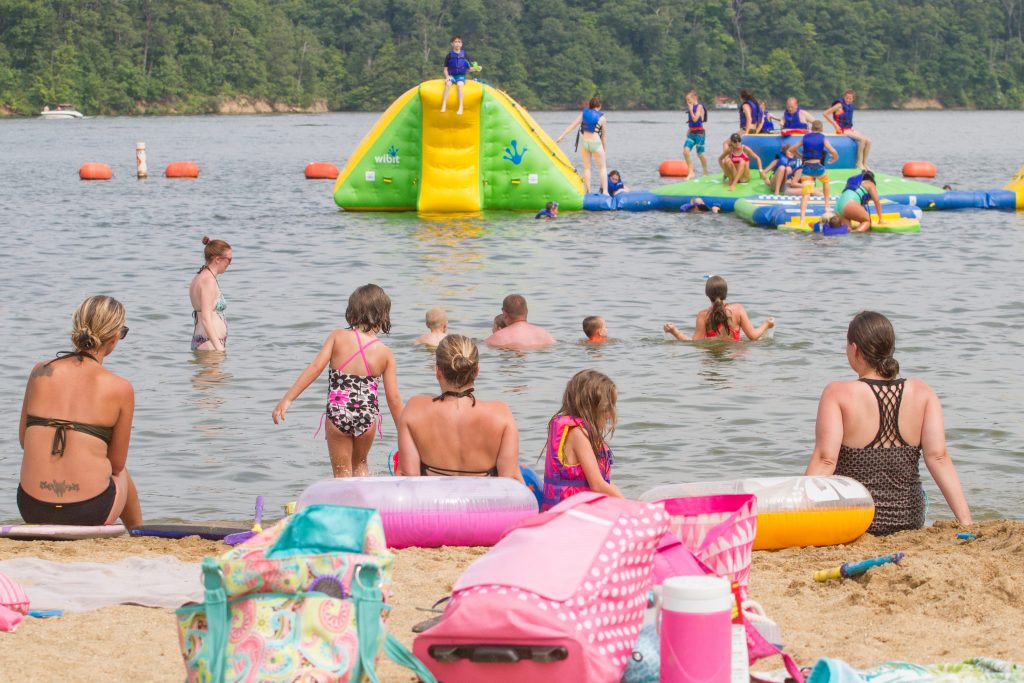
x=696, y=116
x=577, y=457
x=549, y=211
x=840, y=115
x=456, y=66
x=766, y=119
x=784, y=169
x=615, y=183
x=816, y=151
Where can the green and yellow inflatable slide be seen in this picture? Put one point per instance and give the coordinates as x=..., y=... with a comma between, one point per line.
x=492, y=156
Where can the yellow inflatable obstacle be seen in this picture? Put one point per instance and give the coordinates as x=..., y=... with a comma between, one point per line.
x=492, y=156
x=1016, y=185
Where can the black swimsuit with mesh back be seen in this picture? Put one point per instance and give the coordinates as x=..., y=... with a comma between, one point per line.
x=888, y=466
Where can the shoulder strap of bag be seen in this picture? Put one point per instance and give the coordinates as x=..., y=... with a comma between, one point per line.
x=218, y=620
x=369, y=604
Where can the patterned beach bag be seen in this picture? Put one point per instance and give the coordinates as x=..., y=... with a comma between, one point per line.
x=303, y=600
x=719, y=531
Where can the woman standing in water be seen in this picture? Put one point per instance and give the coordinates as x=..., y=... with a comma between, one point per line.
x=210, y=332
x=592, y=130
x=876, y=428
x=76, y=421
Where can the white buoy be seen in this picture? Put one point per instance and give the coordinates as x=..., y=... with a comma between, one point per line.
x=140, y=160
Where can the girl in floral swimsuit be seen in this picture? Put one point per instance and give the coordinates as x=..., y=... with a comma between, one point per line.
x=358, y=362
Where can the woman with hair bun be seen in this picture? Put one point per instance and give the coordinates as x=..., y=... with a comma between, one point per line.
x=75, y=424
x=875, y=429
x=210, y=330
x=453, y=433
x=721, y=320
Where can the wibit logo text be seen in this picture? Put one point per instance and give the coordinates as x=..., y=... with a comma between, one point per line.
x=390, y=158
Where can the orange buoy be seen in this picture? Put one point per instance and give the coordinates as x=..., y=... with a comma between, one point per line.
x=673, y=168
x=182, y=169
x=919, y=169
x=321, y=170
x=94, y=171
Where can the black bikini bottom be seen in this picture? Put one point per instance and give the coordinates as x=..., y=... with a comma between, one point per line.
x=91, y=512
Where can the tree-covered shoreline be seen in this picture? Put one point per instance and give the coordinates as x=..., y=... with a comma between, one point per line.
x=207, y=56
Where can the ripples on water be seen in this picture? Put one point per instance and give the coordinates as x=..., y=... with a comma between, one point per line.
x=204, y=444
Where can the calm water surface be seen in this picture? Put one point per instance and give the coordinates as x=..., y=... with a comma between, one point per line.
x=204, y=444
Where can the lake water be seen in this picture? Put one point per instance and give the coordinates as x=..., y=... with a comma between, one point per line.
x=204, y=444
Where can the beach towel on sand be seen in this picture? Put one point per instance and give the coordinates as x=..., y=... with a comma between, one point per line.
x=975, y=669
x=158, y=581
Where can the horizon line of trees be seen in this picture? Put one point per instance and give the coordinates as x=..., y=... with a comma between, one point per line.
x=128, y=56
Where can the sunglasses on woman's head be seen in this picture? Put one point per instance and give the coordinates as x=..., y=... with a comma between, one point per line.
x=124, y=331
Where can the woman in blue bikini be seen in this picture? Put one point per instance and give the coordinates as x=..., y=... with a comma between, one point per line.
x=210, y=331
x=358, y=362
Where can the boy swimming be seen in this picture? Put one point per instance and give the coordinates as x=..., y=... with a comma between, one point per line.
x=437, y=323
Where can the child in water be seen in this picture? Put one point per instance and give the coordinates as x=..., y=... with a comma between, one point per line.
x=577, y=455
x=549, y=211
x=357, y=364
x=615, y=183
x=437, y=323
x=721, y=320
x=456, y=65
x=499, y=323
x=595, y=329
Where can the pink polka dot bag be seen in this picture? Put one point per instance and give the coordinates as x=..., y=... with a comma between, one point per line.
x=560, y=598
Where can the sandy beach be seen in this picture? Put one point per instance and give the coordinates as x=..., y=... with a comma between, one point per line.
x=948, y=600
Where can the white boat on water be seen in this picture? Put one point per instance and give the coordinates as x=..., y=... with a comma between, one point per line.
x=61, y=111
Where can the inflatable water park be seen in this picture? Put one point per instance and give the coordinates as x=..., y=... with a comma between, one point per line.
x=495, y=156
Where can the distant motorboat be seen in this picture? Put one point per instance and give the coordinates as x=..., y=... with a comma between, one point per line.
x=726, y=103
x=61, y=111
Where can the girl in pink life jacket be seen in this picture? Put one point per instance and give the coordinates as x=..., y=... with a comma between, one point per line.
x=577, y=455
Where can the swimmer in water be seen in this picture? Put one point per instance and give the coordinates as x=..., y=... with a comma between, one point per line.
x=595, y=329
x=437, y=323
x=721, y=320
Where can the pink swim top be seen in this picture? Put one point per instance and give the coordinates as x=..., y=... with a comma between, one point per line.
x=732, y=332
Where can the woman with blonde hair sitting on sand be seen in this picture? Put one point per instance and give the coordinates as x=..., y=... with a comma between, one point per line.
x=76, y=421
x=453, y=433
x=875, y=429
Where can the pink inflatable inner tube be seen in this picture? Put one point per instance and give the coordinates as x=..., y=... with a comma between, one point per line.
x=429, y=512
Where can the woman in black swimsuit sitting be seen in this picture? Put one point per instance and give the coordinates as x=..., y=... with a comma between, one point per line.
x=876, y=429
x=75, y=424
x=454, y=433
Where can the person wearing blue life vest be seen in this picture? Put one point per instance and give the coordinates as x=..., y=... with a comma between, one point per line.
x=795, y=119
x=852, y=203
x=593, y=129
x=751, y=117
x=615, y=184
x=766, y=118
x=549, y=211
x=456, y=66
x=816, y=151
x=696, y=117
x=784, y=169
x=840, y=115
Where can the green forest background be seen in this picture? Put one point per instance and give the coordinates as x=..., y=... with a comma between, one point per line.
x=188, y=56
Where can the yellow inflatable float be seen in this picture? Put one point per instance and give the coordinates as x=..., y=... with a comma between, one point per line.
x=792, y=512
